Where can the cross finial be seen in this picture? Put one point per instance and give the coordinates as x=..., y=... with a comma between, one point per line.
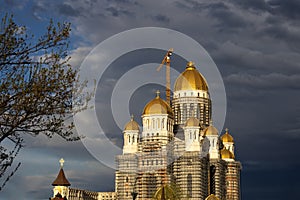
x=157, y=93
x=211, y=122
x=61, y=161
x=132, y=117
x=226, y=129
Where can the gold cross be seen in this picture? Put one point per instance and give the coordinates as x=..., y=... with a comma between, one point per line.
x=61, y=161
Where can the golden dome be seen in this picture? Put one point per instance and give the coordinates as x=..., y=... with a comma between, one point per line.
x=212, y=197
x=211, y=130
x=131, y=125
x=225, y=153
x=157, y=106
x=165, y=192
x=190, y=79
x=192, y=122
x=227, y=137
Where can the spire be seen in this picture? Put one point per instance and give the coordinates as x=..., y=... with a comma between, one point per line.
x=61, y=179
x=131, y=117
x=157, y=94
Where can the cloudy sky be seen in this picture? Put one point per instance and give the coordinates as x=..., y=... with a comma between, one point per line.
x=256, y=47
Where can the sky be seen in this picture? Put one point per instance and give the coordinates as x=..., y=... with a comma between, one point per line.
x=255, y=46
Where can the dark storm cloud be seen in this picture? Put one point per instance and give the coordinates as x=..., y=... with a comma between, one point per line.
x=161, y=18
x=117, y=11
x=254, y=5
x=273, y=81
x=255, y=44
x=67, y=10
x=227, y=19
x=288, y=9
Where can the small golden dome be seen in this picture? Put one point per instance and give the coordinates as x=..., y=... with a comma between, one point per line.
x=193, y=121
x=132, y=125
x=227, y=137
x=212, y=197
x=211, y=130
x=226, y=154
x=157, y=106
x=190, y=79
x=165, y=192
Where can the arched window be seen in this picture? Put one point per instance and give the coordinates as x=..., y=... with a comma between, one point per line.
x=129, y=139
x=163, y=123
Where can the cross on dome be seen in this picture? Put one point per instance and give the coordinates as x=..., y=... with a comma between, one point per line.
x=157, y=93
x=61, y=161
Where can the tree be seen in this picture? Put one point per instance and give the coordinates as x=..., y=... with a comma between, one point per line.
x=36, y=87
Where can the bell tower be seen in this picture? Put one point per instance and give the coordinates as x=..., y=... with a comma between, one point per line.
x=61, y=183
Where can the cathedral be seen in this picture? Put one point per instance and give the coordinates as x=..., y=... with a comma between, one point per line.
x=177, y=153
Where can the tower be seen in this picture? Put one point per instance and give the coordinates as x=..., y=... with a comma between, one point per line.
x=191, y=97
x=233, y=167
x=61, y=183
x=155, y=155
x=127, y=164
x=131, y=137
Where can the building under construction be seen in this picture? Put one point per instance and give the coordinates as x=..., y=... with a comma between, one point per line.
x=178, y=152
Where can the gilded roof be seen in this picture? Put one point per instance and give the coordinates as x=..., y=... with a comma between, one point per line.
x=192, y=122
x=61, y=179
x=225, y=153
x=212, y=197
x=190, y=79
x=165, y=192
x=131, y=125
x=157, y=106
x=211, y=130
x=227, y=137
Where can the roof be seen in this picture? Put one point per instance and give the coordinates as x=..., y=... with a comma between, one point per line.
x=131, y=125
x=226, y=154
x=190, y=79
x=61, y=179
x=165, y=192
x=212, y=197
x=211, y=130
x=157, y=106
x=193, y=121
x=227, y=137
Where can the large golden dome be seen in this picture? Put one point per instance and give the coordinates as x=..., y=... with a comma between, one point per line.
x=131, y=125
x=157, y=106
x=190, y=79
